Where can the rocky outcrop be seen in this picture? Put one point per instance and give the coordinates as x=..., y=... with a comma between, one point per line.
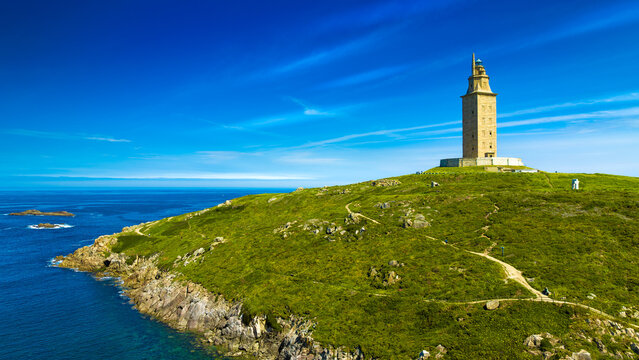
x=385, y=182
x=581, y=355
x=42, y=213
x=417, y=221
x=89, y=258
x=188, y=306
x=49, y=226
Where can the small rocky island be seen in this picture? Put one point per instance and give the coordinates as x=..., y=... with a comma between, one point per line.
x=48, y=226
x=45, y=226
x=42, y=213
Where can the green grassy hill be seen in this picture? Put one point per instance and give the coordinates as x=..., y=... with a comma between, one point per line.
x=394, y=277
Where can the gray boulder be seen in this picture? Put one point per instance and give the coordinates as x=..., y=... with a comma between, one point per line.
x=384, y=205
x=581, y=355
x=420, y=224
x=408, y=223
x=492, y=305
x=533, y=341
x=441, y=351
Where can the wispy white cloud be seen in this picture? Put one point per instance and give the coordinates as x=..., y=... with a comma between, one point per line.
x=307, y=159
x=615, y=15
x=628, y=116
x=437, y=132
x=364, y=77
x=533, y=133
x=378, y=13
x=388, y=132
x=315, y=112
x=307, y=113
x=601, y=19
x=107, y=139
x=604, y=114
x=63, y=136
x=222, y=156
x=327, y=55
x=633, y=96
x=310, y=110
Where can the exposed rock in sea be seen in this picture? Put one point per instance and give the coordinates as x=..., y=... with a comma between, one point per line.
x=42, y=213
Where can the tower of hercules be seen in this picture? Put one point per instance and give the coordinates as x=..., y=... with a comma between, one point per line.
x=479, y=115
x=479, y=124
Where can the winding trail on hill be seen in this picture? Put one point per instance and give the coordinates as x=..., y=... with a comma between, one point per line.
x=511, y=271
x=485, y=229
x=548, y=179
x=355, y=214
x=516, y=275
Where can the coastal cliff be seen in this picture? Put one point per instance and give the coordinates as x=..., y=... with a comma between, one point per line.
x=188, y=306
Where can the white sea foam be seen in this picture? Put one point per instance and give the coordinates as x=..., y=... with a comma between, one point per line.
x=56, y=226
x=123, y=295
x=53, y=262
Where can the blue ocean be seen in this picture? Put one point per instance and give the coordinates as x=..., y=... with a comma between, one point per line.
x=52, y=313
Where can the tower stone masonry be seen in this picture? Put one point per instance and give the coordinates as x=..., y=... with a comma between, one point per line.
x=479, y=124
x=479, y=114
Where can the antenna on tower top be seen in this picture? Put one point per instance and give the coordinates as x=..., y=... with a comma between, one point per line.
x=473, y=64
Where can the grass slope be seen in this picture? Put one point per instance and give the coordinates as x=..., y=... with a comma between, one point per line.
x=279, y=259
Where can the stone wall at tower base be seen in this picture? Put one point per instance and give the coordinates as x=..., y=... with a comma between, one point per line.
x=481, y=161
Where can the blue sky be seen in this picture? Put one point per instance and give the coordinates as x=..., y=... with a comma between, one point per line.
x=301, y=93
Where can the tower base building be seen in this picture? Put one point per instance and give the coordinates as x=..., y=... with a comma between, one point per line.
x=481, y=161
x=479, y=114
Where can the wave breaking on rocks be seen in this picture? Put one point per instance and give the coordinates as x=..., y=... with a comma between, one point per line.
x=187, y=306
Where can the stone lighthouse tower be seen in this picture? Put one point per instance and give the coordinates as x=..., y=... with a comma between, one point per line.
x=479, y=109
x=479, y=123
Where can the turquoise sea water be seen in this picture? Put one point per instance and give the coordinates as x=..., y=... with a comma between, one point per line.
x=52, y=313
